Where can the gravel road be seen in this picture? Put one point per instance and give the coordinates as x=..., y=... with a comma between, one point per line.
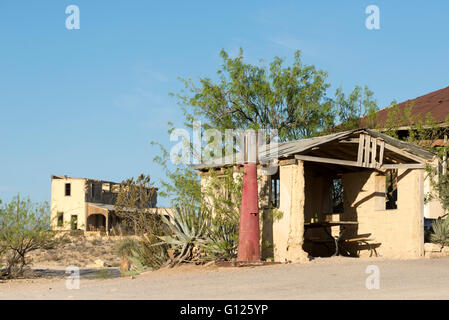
x=332, y=278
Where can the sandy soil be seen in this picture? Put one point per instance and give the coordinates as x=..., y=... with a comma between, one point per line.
x=327, y=278
x=80, y=251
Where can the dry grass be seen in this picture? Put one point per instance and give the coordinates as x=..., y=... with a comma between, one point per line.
x=80, y=251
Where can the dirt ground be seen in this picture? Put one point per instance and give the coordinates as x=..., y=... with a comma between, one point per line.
x=325, y=278
x=80, y=251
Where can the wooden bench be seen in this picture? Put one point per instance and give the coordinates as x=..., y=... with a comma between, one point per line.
x=362, y=240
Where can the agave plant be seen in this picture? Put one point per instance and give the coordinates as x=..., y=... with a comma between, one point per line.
x=187, y=232
x=440, y=232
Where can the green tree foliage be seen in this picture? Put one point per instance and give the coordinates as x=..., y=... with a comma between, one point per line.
x=440, y=187
x=182, y=183
x=351, y=109
x=291, y=99
x=25, y=227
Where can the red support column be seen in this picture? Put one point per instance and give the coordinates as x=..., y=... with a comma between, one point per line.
x=249, y=245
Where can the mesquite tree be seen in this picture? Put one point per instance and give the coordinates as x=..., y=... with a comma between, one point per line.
x=24, y=227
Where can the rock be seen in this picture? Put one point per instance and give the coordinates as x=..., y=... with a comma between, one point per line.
x=100, y=263
x=445, y=250
x=432, y=247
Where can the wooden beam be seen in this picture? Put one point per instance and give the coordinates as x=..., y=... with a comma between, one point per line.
x=373, y=154
x=367, y=150
x=381, y=152
x=403, y=153
x=287, y=162
x=403, y=166
x=327, y=160
x=389, y=147
x=354, y=163
x=361, y=142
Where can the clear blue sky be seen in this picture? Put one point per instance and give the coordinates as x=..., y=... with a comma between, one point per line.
x=88, y=102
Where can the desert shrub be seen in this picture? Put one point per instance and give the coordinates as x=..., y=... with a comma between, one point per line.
x=133, y=203
x=96, y=242
x=222, y=199
x=440, y=232
x=222, y=241
x=149, y=251
x=121, y=229
x=76, y=233
x=152, y=253
x=199, y=230
x=124, y=248
x=25, y=227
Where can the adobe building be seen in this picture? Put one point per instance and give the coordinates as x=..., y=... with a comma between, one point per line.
x=84, y=203
x=362, y=187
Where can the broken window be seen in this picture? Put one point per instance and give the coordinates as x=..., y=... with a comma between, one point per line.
x=274, y=190
x=92, y=189
x=74, y=222
x=106, y=187
x=391, y=189
x=67, y=189
x=337, y=195
x=60, y=221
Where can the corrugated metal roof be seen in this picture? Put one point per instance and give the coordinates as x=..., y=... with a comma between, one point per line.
x=287, y=149
x=405, y=146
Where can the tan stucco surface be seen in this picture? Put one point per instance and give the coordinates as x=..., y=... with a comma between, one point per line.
x=75, y=204
x=305, y=191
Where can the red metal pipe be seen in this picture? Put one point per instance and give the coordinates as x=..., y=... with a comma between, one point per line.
x=249, y=245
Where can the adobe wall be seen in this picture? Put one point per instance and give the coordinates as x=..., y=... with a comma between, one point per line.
x=74, y=204
x=288, y=226
x=399, y=233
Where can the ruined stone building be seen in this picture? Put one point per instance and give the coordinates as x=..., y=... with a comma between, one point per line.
x=84, y=204
x=367, y=186
x=362, y=182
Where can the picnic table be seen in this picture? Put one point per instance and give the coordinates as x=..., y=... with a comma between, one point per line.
x=326, y=226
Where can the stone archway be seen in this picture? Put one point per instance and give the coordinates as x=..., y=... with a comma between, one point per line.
x=96, y=222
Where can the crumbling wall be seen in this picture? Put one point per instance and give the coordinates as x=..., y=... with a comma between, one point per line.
x=288, y=224
x=397, y=233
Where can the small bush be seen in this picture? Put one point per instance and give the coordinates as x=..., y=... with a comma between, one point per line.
x=152, y=253
x=440, y=233
x=76, y=233
x=124, y=248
